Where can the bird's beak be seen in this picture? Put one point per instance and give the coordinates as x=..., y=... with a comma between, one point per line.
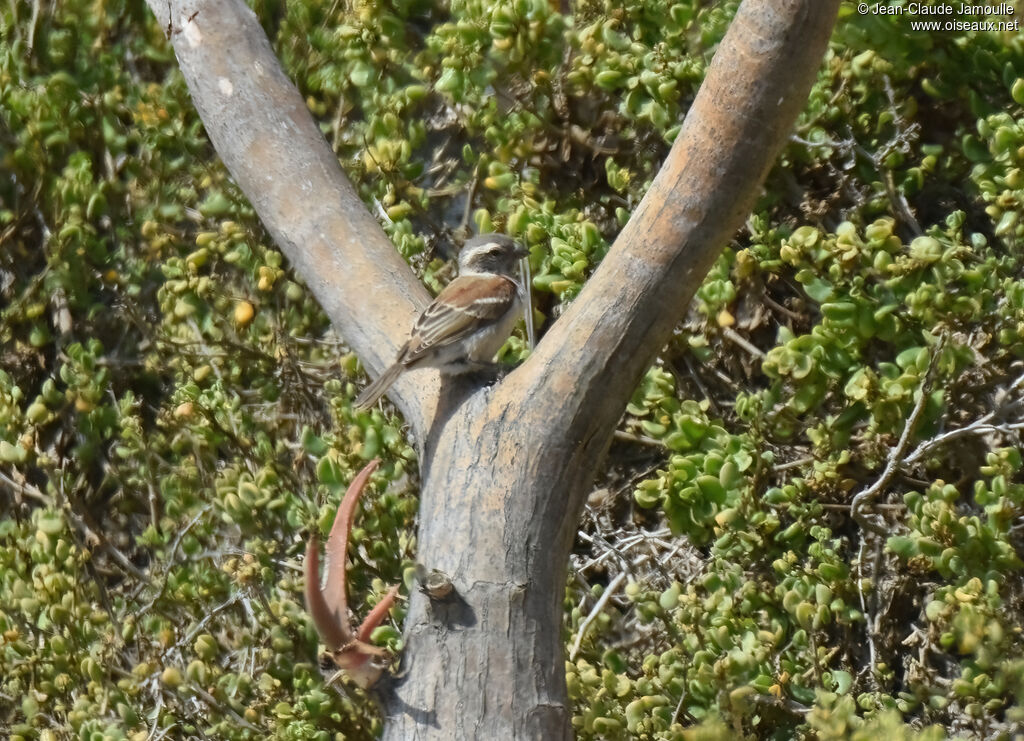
x=520, y=251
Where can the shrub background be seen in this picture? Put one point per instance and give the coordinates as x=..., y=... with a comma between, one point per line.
x=175, y=411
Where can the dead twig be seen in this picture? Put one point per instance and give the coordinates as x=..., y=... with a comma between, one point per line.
x=896, y=456
x=980, y=426
x=737, y=339
x=599, y=606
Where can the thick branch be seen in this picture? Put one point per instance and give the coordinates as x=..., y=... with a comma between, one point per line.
x=758, y=82
x=274, y=150
x=505, y=485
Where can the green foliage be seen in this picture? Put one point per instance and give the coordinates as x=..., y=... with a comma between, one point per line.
x=493, y=73
x=774, y=630
x=174, y=414
x=704, y=483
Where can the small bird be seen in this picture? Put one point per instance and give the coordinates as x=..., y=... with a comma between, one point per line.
x=468, y=322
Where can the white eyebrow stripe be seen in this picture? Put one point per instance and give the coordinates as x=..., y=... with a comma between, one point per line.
x=478, y=249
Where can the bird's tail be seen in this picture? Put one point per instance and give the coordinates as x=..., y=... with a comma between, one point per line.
x=376, y=389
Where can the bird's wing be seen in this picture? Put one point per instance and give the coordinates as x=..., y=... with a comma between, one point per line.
x=464, y=305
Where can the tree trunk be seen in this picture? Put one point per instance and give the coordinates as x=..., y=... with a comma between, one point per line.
x=506, y=476
x=505, y=470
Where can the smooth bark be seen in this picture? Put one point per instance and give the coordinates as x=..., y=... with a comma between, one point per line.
x=506, y=469
x=262, y=130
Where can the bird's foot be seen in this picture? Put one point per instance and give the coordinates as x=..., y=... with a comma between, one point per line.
x=488, y=374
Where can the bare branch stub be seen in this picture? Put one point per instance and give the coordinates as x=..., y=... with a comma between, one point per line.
x=349, y=649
